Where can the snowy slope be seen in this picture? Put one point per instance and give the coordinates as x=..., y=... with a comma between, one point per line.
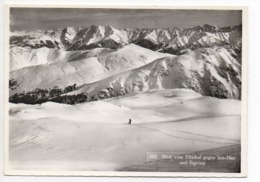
x=129, y=57
x=209, y=71
x=55, y=67
x=23, y=57
x=59, y=74
x=98, y=138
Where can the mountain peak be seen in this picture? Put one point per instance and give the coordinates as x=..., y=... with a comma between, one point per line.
x=109, y=27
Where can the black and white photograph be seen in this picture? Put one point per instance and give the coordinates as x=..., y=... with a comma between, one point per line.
x=118, y=91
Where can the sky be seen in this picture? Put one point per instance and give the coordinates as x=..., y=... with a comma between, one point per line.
x=52, y=18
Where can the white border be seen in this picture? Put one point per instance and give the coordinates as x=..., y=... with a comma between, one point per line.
x=133, y=174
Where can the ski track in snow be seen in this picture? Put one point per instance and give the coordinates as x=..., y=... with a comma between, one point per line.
x=62, y=70
x=175, y=136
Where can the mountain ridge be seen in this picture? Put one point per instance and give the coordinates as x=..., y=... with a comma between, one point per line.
x=72, y=38
x=198, y=70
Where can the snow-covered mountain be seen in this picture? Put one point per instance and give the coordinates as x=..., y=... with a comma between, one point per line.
x=205, y=58
x=209, y=71
x=63, y=68
x=36, y=39
x=21, y=57
x=99, y=36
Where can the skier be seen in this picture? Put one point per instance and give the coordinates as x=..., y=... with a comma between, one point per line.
x=129, y=121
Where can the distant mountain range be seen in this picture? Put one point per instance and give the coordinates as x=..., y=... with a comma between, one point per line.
x=205, y=58
x=165, y=40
